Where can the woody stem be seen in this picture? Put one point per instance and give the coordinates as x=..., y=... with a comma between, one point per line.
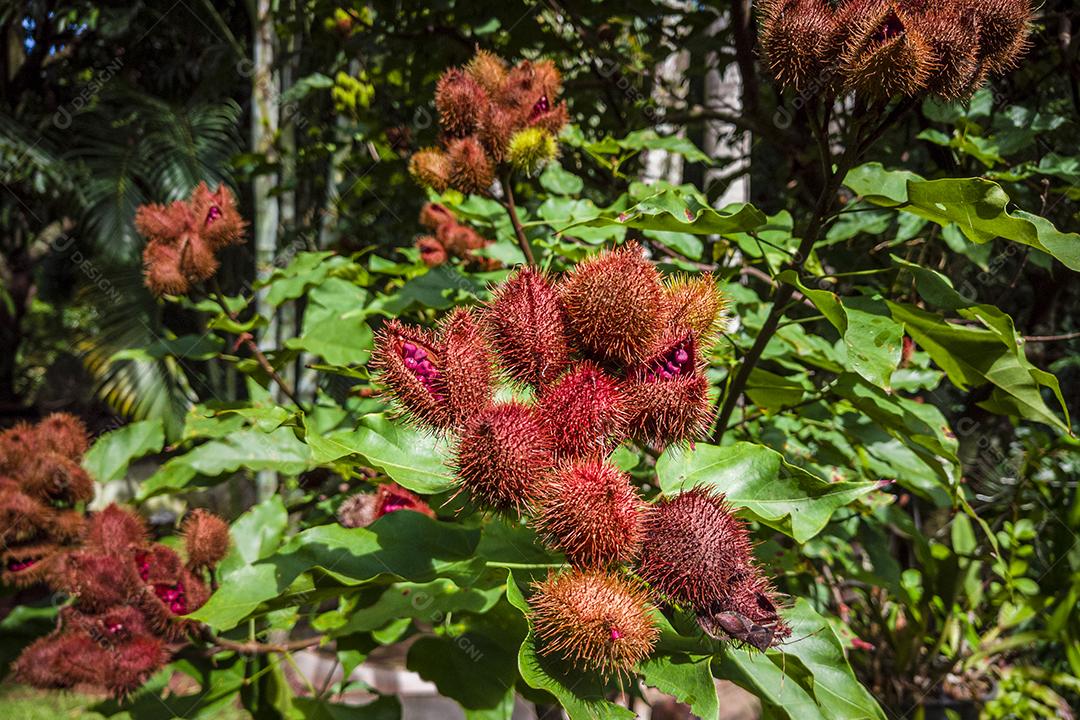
x=857, y=144
x=258, y=354
x=257, y=648
x=511, y=209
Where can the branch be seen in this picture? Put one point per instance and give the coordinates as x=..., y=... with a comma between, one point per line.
x=249, y=341
x=523, y=242
x=253, y=647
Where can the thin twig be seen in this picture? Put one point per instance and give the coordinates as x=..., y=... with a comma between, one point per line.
x=249, y=341
x=1051, y=338
x=523, y=242
x=253, y=647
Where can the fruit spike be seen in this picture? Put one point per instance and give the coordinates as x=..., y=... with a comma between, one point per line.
x=696, y=304
x=598, y=621
x=501, y=453
x=886, y=55
x=206, y=539
x=466, y=380
x=667, y=397
x=695, y=549
x=528, y=327
x=592, y=513
x=585, y=412
x=613, y=305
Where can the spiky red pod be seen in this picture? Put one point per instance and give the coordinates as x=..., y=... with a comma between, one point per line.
x=496, y=127
x=115, y=529
x=886, y=55
x=18, y=444
x=696, y=304
x=695, y=549
x=598, y=621
x=197, y=259
x=1004, y=28
x=22, y=518
x=585, y=410
x=952, y=33
x=63, y=433
x=164, y=223
x=405, y=360
x=362, y=509
x=98, y=580
x=432, y=252
x=217, y=220
x=795, y=37
x=459, y=99
x=471, y=170
x=434, y=215
x=460, y=239
x=667, y=398
x=161, y=266
x=58, y=479
x=133, y=662
x=467, y=376
x=431, y=168
x=500, y=455
x=591, y=512
x=206, y=539
x=614, y=304
x=528, y=327
x=111, y=627
x=489, y=70
x=62, y=660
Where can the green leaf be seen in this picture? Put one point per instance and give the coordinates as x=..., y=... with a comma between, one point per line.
x=248, y=449
x=688, y=679
x=259, y=531
x=818, y=649
x=471, y=668
x=386, y=707
x=758, y=480
x=977, y=206
x=674, y=211
x=403, y=545
x=557, y=180
x=582, y=696
x=413, y=458
x=771, y=391
x=974, y=356
x=780, y=696
x=872, y=339
x=425, y=601
x=334, y=324
x=111, y=453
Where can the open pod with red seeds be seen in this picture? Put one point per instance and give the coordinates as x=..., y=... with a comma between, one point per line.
x=362, y=509
x=598, y=621
x=440, y=380
x=885, y=54
x=501, y=454
x=614, y=306
x=667, y=397
x=590, y=511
